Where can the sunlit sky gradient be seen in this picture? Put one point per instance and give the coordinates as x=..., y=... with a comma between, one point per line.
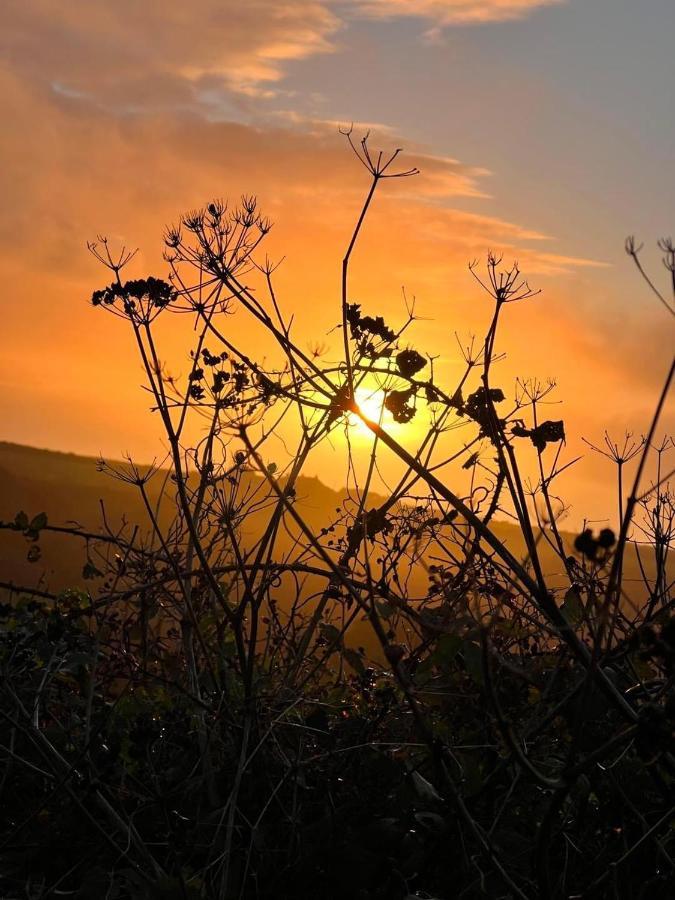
x=543, y=129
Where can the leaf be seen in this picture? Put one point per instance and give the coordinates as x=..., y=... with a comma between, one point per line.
x=21, y=521
x=384, y=609
x=229, y=646
x=431, y=822
x=361, y=325
x=397, y=402
x=375, y=522
x=331, y=634
x=425, y=789
x=410, y=362
x=478, y=407
x=90, y=571
x=38, y=522
x=572, y=607
x=447, y=648
x=353, y=658
x=546, y=433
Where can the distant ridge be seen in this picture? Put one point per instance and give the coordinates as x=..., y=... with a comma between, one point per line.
x=70, y=489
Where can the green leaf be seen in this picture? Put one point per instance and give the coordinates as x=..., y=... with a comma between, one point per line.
x=572, y=607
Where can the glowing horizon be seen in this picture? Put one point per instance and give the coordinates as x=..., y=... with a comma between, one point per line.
x=106, y=135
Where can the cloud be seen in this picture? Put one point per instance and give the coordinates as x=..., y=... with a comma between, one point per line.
x=134, y=56
x=151, y=54
x=453, y=12
x=71, y=169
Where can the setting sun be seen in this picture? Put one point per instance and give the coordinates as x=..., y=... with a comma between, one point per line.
x=371, y=403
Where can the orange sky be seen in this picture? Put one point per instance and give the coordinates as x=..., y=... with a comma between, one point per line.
x=118, y=117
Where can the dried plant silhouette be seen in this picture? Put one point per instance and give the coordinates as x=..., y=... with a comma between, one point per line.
x=247, y=704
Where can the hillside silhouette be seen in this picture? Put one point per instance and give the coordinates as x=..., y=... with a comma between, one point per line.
x=71, y=490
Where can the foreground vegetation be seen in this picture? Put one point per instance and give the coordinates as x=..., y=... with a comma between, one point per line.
x=238, y=710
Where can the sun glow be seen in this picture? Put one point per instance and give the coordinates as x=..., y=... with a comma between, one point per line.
x=371, y=403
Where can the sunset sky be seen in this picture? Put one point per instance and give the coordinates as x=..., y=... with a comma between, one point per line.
x=543, y=129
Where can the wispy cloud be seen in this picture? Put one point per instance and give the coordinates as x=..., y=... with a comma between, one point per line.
x=160, y=52
x=453, y=12
x=173, y=53
x=135, y=172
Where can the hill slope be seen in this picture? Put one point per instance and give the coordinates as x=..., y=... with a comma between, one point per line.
x=70, y=489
